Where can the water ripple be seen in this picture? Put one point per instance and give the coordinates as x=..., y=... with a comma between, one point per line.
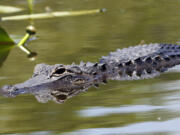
x=170, y=126
x=104, y=111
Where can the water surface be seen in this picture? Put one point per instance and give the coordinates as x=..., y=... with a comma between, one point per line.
x=146, y=107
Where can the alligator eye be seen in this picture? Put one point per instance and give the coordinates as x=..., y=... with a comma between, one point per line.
x=60, y=71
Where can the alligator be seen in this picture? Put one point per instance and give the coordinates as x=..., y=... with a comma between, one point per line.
x=60, y=82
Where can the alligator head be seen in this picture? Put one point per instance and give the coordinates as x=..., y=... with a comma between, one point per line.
x=57, y=83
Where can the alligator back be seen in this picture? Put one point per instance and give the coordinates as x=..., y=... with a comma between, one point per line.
x=143, y=61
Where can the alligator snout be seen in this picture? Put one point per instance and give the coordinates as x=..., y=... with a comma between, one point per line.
x=8, y=91
x=12, y=91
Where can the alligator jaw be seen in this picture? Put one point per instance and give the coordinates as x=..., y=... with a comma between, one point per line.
x=31, y=86
x=43, y=92
x=8, y=91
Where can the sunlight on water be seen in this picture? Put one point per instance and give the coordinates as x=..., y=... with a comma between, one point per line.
x=170, y=126
x=102, y=111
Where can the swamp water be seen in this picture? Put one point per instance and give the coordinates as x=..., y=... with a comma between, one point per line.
x=144, y=107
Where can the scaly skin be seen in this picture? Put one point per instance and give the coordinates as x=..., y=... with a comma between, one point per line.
x=60, y=82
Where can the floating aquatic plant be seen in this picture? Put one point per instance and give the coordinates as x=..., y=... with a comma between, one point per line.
x=52, y=14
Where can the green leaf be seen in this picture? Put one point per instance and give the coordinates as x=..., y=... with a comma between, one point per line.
x=6, y=44
x=30, y=4
x=9, y=9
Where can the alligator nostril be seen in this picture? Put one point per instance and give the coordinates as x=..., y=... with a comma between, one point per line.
x=8, y=91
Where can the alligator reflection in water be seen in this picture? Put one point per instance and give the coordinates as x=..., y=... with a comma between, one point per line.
x=60, y=82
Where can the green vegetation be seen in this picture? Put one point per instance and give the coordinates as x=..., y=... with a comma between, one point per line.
x=6, y=44
x=52, y=15
x=31, y=17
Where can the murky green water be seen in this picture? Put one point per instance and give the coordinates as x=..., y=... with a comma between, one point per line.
x=147, y=107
